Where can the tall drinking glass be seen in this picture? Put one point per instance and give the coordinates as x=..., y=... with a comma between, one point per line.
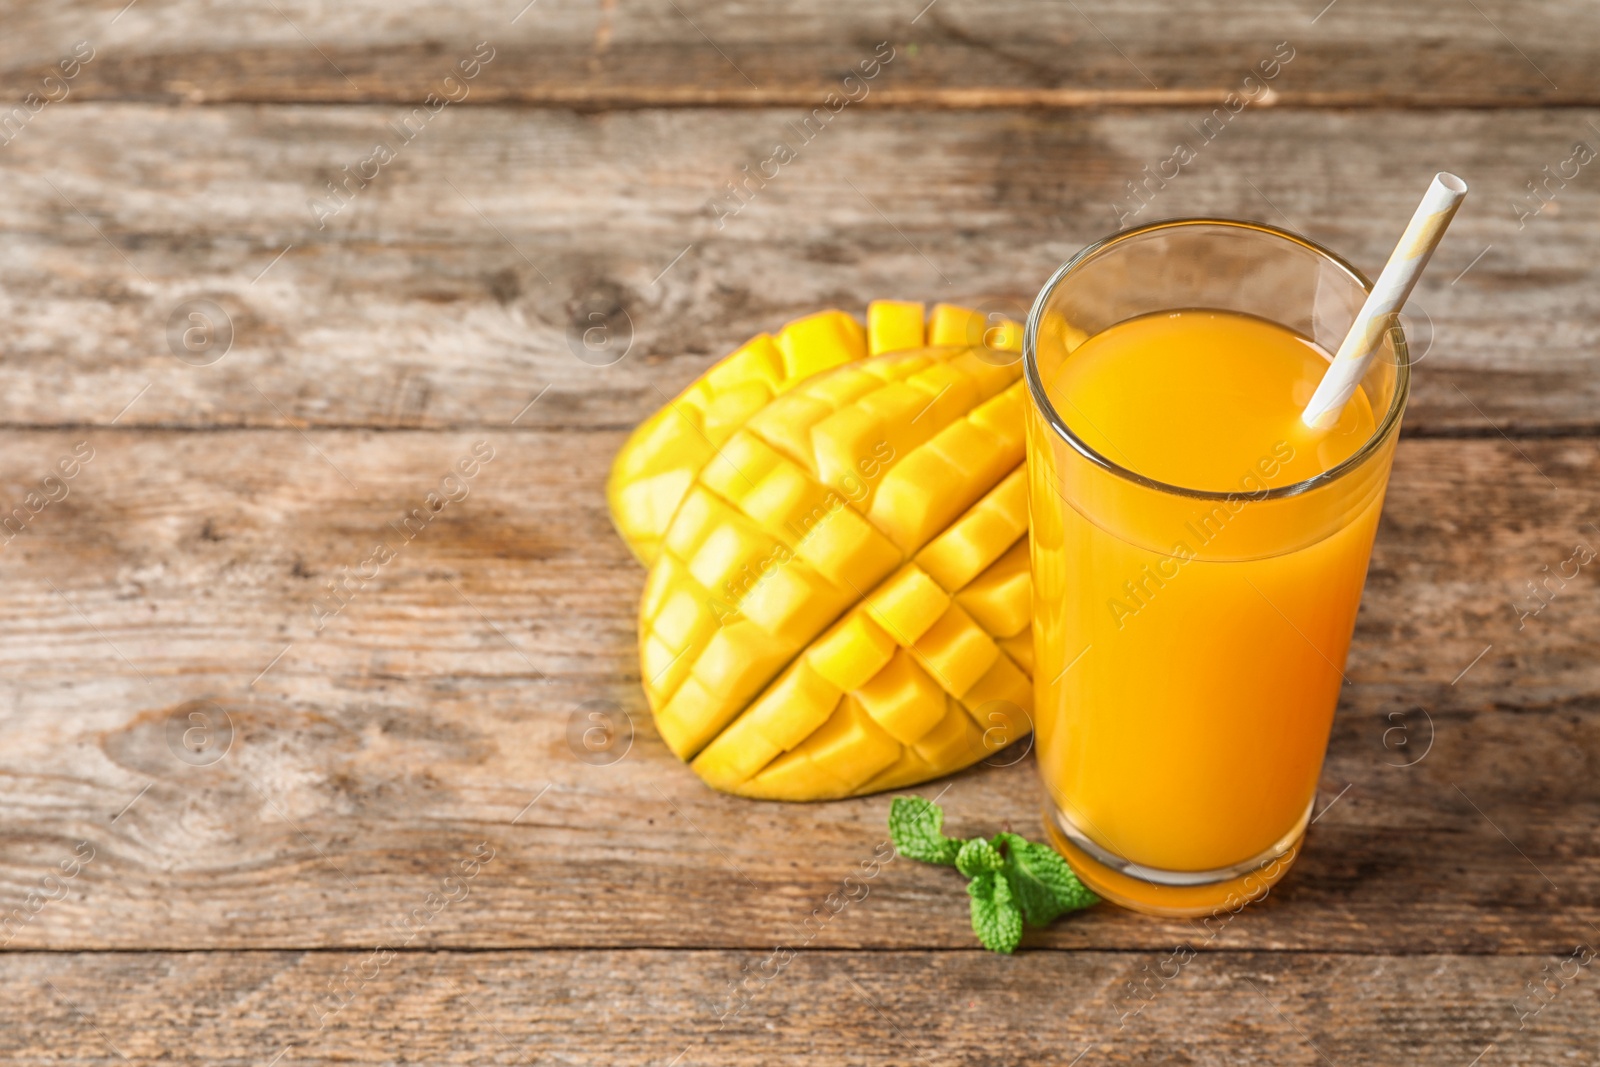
x=1190, y=643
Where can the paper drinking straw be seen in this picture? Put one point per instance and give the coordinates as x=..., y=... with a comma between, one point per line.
x=1388, y=295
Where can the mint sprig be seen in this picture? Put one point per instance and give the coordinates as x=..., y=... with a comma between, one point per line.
x=1012, y=880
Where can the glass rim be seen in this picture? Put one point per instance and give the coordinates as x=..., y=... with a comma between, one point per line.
x=1041, y=401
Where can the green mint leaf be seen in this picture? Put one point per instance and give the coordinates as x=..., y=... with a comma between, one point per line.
x=995, y=917
x=1013, y=880
x=914, y=825
x=978, y=857
x=1042, y=884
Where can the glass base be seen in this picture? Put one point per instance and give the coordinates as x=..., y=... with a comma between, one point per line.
x=1175, y=894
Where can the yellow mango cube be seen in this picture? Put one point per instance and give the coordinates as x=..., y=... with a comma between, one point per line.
x=662, y=581
x=954, y=742
x=735, y=755
x=783, y=501
x=980, y=537
x=947, y=395
x=850, y=745
x=649, y=503
x=1005, y=416
x=841, y=441
x=907, y=604
x=730, y=410
x=902, y=699
x=1003, y=336
x=950, y=324
x=700, y=513
x=664, y=667
x=956, y=651
x=993, y=376
x=729, y=556
x=794, y=706
x=1001, y=599
x=1002, y=698
x=908, y=770
x=893, y=325
x=847, y=549
x=671, y=440
x=1000, y=723
x=850, y=653
x=691, y=718
x=683, y=619
x=1020, y=649
x=975, y=454
x=789, y=600
x=818, y=342
x=897, y=367
x=908, y=508
x=740, y=465
x=757, y=360
x=793, y=776
x=786, y=423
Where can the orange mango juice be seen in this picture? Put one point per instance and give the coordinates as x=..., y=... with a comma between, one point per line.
x=1191, y=636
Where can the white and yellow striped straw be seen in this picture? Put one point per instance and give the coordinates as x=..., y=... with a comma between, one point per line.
x=1388, y=296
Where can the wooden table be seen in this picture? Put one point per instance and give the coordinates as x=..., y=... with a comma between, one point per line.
x=237, y=829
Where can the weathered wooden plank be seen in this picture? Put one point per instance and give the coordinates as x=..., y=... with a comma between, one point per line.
x=180, y=574
x=607, y=1007
x=952, y=53
x=466, y=276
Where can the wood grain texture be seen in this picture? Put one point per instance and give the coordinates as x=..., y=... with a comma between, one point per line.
x=218, y=795
x=952, y=53
x=821, y=1007
x=426, y=717
x=462, y=280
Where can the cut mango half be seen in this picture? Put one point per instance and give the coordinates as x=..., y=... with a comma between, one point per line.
x=835, y=519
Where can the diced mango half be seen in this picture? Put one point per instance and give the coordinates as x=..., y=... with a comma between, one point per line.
x=840, y=602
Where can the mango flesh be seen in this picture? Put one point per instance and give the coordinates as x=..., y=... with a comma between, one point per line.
x=656, y=466
x=834, y=605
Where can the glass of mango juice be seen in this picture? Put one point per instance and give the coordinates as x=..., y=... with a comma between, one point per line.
x=1198, y=552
